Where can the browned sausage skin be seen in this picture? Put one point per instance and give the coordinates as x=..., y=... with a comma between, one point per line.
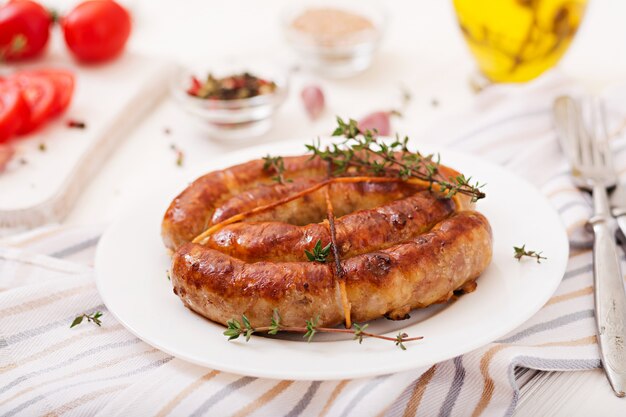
x=219, y=195
x=417, y=273
x=357, y=232
x=401, y=246
x=190, y=212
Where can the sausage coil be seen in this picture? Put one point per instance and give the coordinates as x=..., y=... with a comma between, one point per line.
x=401, y=245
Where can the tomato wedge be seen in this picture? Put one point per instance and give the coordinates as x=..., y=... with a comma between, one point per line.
x=14, y=111
x=63, y=81
x=40, y=95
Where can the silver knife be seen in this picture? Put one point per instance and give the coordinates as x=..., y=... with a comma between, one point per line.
x=587, y=147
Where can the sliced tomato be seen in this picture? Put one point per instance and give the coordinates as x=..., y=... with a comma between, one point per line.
x=40, y=95
x=63, y=81
x=14, y=111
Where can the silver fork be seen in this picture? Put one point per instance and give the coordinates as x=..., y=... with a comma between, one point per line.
x=587, y=146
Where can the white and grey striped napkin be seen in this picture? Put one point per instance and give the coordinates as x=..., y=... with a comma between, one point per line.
x=46, y=278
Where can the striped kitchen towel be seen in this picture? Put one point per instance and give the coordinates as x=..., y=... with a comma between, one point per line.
x=46, y=278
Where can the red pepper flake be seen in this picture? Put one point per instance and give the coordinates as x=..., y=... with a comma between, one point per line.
x=76, y=124
x=194, y=87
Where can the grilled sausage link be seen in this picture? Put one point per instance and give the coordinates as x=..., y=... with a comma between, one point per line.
x=357, y=232
x=416, y=273
x=219, y=195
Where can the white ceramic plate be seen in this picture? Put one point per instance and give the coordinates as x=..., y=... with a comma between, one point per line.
x=131, y=265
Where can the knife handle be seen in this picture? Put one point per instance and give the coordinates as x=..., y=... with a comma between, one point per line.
x=610, y=296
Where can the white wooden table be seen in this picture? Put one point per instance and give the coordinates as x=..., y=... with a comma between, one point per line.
x=423, y=50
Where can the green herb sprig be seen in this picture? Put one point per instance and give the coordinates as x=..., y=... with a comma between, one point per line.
x=276, y=164
x=243, y=328
x=363, y=152
x=93, y=318
x=180, y=155
x=319, y=253
x=400, y=339
x=521, y=251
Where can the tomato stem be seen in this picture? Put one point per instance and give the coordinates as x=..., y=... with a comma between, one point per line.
x=55, y=17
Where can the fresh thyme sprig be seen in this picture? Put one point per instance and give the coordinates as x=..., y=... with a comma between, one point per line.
x=319, y=253
x=358, y=331
x=363, y=152
x=400, y=339
x=521, y=251
x=94, y=318
x=276, y=164
x=236, y=328
x=311, y=328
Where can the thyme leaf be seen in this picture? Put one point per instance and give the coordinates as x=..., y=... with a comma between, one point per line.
x=520, y=251
x=277, y=165
x=311, y=328
x=319, y=253
x=93, y=318
x=358, y=332
x=363, y=153
x=400, y=339
x=236, y=328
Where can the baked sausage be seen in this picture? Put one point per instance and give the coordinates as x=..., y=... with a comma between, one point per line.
x=221, y=194
x=401, y=246
x=417, y=273
x=356, y=233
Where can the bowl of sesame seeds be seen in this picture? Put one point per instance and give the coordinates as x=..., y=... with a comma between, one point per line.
x=335, y=39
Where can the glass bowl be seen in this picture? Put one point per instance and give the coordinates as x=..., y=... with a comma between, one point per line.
x=341, y=56
x=237, y=119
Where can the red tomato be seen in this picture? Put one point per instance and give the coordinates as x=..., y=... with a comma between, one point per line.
x=25, y=29
x=40, y=95
x=14, y=111
x=96, y=30
x=63, y=81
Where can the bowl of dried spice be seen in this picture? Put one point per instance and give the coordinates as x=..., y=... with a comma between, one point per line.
x=335, y=39
x=231, y=104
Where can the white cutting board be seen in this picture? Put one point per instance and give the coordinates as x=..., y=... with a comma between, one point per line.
x=40, y=187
